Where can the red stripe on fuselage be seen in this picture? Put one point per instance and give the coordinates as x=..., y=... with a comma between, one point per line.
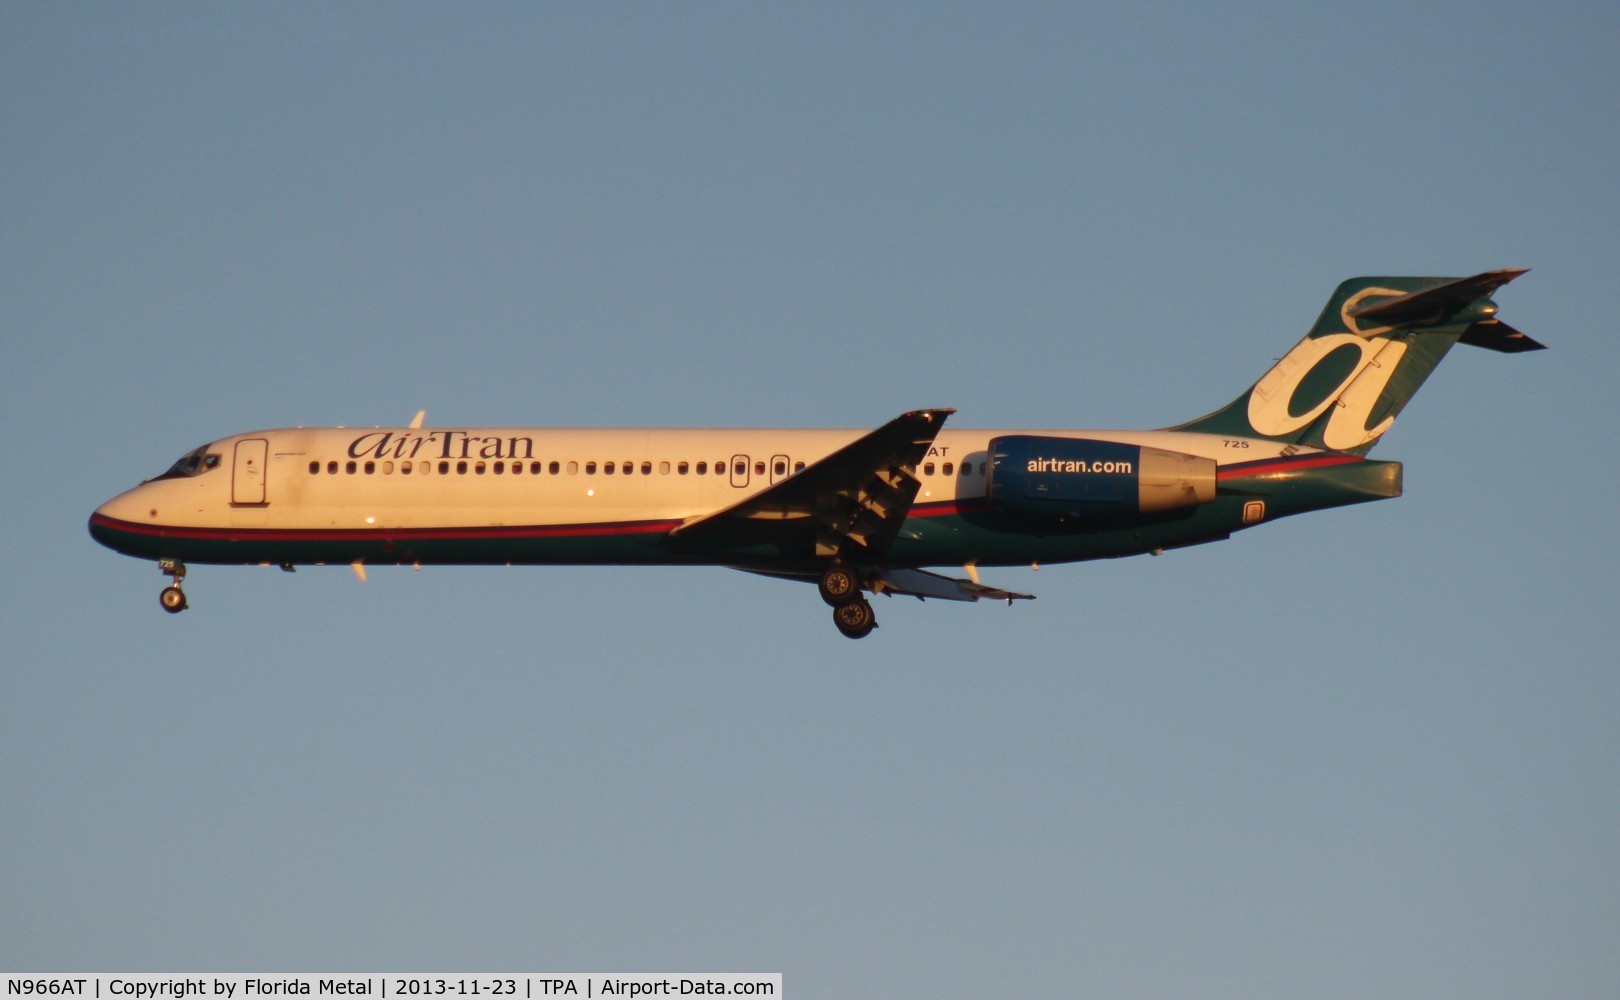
x=1268, y=466
x=402, y=534
x=948, y=508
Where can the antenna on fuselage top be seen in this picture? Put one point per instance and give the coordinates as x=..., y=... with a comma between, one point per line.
x=418, y=421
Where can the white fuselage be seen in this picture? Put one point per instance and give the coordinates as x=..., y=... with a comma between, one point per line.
x=388, y=478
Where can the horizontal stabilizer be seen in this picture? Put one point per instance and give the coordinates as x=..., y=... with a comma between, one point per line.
x=921, y=584
x=1434, y=306
x=1495, y=335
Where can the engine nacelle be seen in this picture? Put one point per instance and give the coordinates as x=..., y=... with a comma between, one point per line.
x=1087, y=479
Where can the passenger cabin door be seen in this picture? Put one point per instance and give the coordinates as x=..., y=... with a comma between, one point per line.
x=739, y=471
x=781, y=468
x=247, y=472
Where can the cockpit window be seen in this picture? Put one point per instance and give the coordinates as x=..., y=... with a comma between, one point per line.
x=193, y=463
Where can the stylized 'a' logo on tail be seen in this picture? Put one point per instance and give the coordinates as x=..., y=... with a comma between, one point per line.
x=1370, y=351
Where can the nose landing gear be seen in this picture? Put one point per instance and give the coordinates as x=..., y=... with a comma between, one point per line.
x=173, y=598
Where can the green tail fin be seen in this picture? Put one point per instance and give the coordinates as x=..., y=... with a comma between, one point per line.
x=1368, y=354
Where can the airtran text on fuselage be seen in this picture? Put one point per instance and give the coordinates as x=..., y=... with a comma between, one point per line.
x=439, y=444
x=1068, y=465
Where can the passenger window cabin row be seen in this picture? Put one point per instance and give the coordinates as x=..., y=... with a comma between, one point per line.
x=556, y=468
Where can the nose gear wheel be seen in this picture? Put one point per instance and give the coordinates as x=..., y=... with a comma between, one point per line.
x=173, y=598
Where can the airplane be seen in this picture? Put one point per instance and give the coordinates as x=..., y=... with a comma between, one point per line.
x=854, y=513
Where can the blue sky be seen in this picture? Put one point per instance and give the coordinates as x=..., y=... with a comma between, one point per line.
x=1370, y=751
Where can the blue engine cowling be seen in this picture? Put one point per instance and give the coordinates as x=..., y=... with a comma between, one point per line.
x=1085, y=479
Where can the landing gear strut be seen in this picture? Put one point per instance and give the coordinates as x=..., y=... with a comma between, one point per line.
x=173, y=598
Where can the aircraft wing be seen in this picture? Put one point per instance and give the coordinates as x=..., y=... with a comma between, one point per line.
x=918, y=583
x=849, y=504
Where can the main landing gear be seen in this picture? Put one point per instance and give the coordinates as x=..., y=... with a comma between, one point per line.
x=173, y=598
x=841, y=589
x=855, y=618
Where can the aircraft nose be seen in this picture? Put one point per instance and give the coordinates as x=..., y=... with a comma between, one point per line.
x=109, y=522
x=122, y=507
x=100, y=525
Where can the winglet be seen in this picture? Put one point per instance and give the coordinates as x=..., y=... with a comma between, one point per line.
x=417, y=422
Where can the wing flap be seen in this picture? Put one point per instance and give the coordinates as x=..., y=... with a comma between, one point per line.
x=922, y=584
